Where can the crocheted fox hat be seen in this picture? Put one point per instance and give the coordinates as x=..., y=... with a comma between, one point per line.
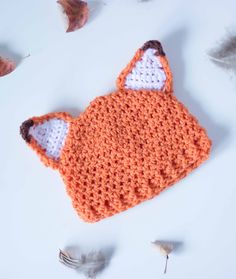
x=127, y=146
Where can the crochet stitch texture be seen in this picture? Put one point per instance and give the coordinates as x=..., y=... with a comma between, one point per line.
x=127, y=146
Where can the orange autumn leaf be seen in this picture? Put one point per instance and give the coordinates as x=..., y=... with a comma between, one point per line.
x=77, y=13
x=6, y=66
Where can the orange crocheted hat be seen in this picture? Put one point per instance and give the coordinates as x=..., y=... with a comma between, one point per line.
x=127, y=146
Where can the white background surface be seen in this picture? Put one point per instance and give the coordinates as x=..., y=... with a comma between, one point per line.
x=64, y=73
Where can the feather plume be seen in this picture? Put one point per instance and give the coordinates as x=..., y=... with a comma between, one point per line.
x=89, y=264
x=165, y=249
x=224, y=55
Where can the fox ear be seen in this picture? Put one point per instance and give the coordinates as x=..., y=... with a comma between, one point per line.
x=148, y=70
x=46, y=135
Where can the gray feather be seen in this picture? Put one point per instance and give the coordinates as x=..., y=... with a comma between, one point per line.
x=224, y=55
x=89, y=264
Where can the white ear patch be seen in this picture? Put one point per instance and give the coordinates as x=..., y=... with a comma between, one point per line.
x=51, y=136
x=147, y=73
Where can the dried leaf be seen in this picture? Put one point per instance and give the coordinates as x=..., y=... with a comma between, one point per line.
x=77, y=12
x=88, y=264
x=6, y=66
x=165, y=249
x=224, y=54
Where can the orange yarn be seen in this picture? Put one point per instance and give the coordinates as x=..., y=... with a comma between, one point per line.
x=127, y=147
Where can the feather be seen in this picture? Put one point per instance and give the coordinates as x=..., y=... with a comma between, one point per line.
x=165, y=249
x=89, y=264
x=224, y=55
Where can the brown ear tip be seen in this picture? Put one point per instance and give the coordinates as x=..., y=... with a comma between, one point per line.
x=155, y=45
x=24, y=129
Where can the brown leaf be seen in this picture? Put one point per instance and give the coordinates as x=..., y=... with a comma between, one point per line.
x=6, y=66
x=77, y=12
